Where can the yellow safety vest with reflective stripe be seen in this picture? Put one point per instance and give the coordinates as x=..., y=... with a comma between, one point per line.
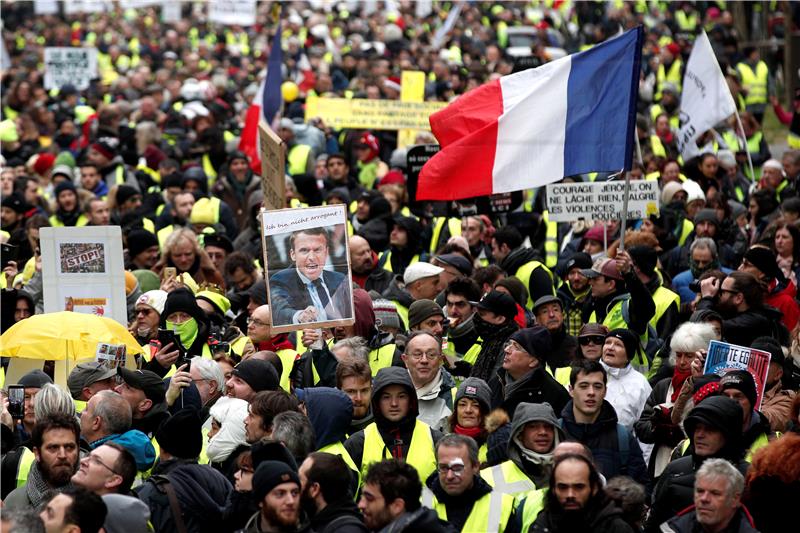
x=287, y=357
x=472, y=354
x=753, y=145
x=754, y=83
x=148, y=225
x=56, y=222
x=663, y=298
x=337, y=448
x=238, y=346
x=508, y=478
x=402, y=312
x=490, y=513
x=297, y=159
x=532, y=504
x=673, y=76
x=26, y=460
x=657, y=109
x=524, y=275
x=208, y=168
x=381, y=357
x=387, y=263
x=561, y=375
x=421, y=454
x=550, y=241
x=453, y=225
x=793, y=140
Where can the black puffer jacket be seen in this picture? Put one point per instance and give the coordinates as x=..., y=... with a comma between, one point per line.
x=675, y=488
x=540, y=283
x=603, y=517
x=536, y=387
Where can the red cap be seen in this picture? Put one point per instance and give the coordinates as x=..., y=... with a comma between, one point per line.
x=393, y=177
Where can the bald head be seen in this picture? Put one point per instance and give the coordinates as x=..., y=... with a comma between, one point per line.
x=362, y=260
x=258, y=328
x=570, y=447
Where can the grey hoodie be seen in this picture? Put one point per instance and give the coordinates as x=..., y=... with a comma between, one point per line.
x=525, y=413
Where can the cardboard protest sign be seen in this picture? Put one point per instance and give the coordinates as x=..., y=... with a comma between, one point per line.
x=309, y=282
x=412, y=89
x=273, y=167
x=65, y=65
x=567, y=202
x=722, y=357
x=361, y=113
x=83, y=271
x=232, y=12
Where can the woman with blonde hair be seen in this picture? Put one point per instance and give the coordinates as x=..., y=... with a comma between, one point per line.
x=183, y=252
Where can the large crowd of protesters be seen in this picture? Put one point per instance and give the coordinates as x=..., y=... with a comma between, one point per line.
x=503, y=372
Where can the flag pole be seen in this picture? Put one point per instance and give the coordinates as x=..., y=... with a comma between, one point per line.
x=746, y=148
x=625, y=192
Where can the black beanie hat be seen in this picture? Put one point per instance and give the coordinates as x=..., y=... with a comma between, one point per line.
x=764, y=259
x=16, y=202
x=125, y=193
x=269, y=475
x=180, y=435
x=771, y=345
x=260, y=375
x=628, y=338
x=140, y=240
x=182, y=300
x=62, y=186
x=741, y=380
x=536, y=341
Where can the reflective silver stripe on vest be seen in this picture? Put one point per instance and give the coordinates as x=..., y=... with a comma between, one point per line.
x=495, y=511
x=501, y=485
x=427, y=498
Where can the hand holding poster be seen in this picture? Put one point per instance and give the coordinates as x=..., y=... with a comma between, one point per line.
x=63, y=65
x=309, y=283
x=567, y=202
x=723, y=357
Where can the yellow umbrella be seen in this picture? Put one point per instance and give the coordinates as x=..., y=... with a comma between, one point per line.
x=64, y=335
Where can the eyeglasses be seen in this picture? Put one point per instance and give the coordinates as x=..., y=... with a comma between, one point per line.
x=457, y=469
x=255, y=322
x=97, y=460
x=731, y=291
x=430, y=356
x=591, y=339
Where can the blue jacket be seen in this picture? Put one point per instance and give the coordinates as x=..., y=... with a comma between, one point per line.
x=680, y=284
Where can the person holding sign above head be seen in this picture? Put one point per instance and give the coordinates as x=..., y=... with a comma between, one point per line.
x=307, y=292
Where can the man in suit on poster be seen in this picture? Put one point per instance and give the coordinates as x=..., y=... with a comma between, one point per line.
x=307, y=292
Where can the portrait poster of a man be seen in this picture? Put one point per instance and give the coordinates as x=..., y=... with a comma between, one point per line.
x=308, y=271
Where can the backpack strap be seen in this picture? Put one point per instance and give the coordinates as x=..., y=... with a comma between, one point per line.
x=164, y=484
x=623, y=439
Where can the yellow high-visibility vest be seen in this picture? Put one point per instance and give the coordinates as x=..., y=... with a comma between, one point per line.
x=421, y=454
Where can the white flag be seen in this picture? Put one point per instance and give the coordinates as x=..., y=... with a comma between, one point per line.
x=706, y=99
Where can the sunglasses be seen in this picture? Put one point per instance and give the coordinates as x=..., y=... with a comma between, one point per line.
x=591, y=339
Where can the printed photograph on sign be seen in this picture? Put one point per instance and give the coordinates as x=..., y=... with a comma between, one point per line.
x=81, y=258
x=723, y=357
x=309, y=282
x=111, y=355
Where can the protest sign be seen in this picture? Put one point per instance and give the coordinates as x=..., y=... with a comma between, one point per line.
x=83, y=271
x=45, y=7
x=111, y=355
x=73, y=7
x=412, y=89
x=309, y=282
x=232, y=12
x=722, y=357
x=567, y=202
x=171, y=11
x=416, y=157
x=361, y=113
x=273, y=167
x=65, y=65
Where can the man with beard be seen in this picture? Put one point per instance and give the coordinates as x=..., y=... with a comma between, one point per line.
x=68, y=209
x=276, y=488
x=706, y=224
x=459, y=296
x=354, y=378
x=55, y=448
x=574, y=292
x=703, y=257
x=325, y=498
x=390, y=500
x=576, y=501
x=74, y=510
x=740, y=301
x=364, y=264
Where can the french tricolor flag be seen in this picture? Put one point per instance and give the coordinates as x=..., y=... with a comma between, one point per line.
x=571, y=116
x=266, y=105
